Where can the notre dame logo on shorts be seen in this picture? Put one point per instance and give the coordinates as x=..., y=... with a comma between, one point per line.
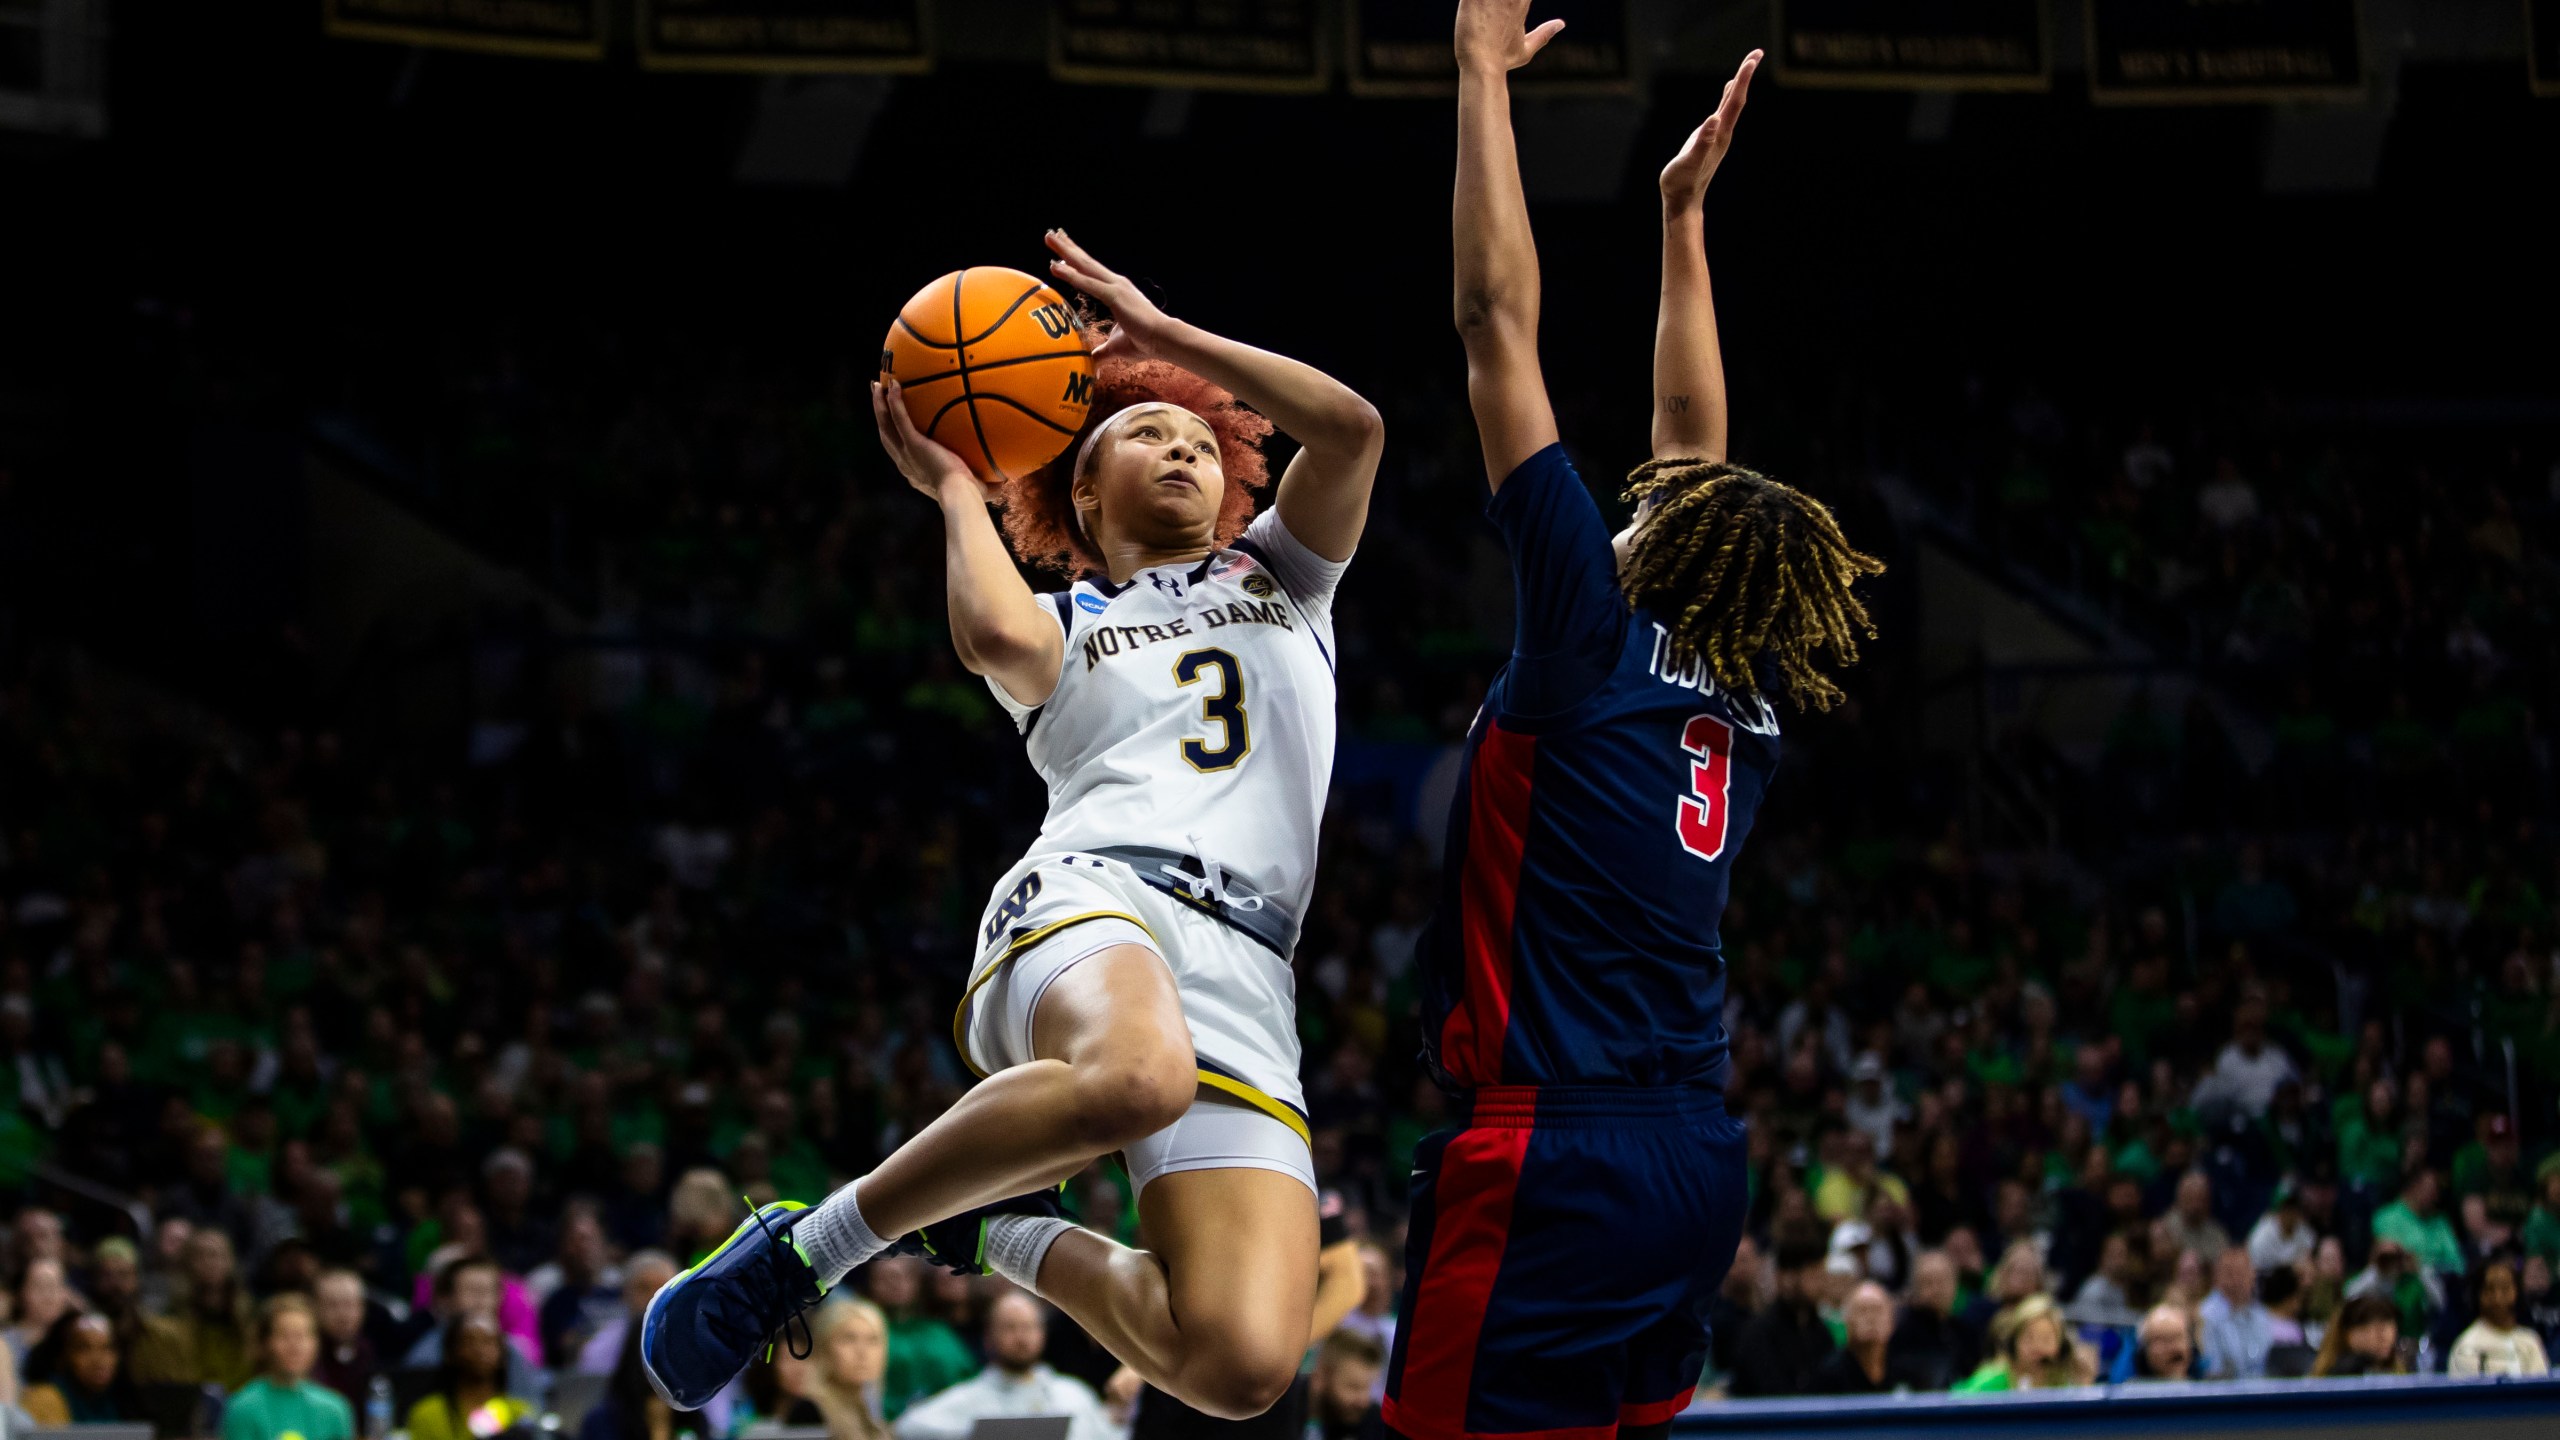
x=1015, y=906
x=1259, y=586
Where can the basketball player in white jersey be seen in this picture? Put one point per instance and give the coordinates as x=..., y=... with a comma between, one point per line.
x=1132, y=989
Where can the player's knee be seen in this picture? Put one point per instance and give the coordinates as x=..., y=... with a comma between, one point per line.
x=1239, y=1384
x=1122, y=1101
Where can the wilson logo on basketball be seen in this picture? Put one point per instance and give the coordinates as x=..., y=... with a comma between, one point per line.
x=1055, y=322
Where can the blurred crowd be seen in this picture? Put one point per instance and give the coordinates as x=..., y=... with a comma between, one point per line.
x=368, y=1076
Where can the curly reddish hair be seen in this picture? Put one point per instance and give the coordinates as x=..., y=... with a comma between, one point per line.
x=1039, y=508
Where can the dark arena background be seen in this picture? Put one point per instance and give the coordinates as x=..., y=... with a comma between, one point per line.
x=483, y=775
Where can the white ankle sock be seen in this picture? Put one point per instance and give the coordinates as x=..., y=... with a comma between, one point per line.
x=835, y=1238
x=1016, y=1244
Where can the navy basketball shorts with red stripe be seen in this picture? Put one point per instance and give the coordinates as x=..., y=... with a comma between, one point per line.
x=1565, y=1245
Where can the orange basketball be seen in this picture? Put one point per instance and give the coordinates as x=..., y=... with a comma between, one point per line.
x=994, y=366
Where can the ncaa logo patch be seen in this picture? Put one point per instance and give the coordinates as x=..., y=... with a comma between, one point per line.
x=1259, y=586
x=1092, y=604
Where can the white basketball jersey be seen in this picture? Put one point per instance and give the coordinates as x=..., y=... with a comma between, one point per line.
x=1195, y=712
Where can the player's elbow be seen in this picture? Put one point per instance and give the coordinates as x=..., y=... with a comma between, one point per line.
x=1363, y=420
x=991, y=648
x=1356, y=426
x=1485, y=305
x=1493, y=326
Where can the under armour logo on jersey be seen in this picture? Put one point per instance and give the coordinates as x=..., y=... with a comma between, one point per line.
x=1170, y=584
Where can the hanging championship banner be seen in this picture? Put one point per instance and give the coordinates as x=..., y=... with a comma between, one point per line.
x=803, y=35
x=2542, y=45
x=1403, y=47
x=1914, y=44
x=564, y=29
x=1208, y=44
x=2180, y=52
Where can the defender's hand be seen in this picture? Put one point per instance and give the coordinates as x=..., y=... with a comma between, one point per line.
x=1137, y=325
x=928, y=464
x=1684, y=180
x=1490, y=37
x=1120, y=1395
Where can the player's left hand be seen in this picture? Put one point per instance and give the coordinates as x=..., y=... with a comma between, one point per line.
x=1137, y=325
x=928, y=464
x=1684, y=180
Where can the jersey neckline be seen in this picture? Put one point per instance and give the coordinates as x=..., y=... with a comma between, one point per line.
x=1110, y=589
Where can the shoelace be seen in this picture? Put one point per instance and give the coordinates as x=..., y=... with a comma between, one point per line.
x=805, y=1343
x=1210, y=886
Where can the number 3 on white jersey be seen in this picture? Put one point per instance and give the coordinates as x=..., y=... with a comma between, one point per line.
x=1225, y=708
x=1701, y=819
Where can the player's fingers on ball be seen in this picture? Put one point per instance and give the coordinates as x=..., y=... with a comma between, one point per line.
x=902, y=426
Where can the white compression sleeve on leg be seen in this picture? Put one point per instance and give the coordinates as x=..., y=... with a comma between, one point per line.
x=835, y=1238
x=1016, y=1244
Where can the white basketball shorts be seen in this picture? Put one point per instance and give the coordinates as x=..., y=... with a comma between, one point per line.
x=1052, y=912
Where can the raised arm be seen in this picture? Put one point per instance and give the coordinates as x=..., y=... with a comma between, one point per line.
x=1689, y=416
x=1495, y=299
x=1324, y=495
x=1000, y=629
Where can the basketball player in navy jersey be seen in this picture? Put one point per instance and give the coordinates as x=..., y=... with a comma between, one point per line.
x=1570, y=1232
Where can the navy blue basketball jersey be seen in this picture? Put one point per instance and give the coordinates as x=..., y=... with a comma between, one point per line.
x=1605, y=793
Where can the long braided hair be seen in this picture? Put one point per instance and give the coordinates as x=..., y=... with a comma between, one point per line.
x=1743, y=566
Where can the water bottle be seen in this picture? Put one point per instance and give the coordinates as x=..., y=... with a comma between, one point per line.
x=377, y=1408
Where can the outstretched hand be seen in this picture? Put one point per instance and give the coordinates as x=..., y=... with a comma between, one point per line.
x=1684, y=180
x=1137, y=324
x=1490, y=35
x=928, y=464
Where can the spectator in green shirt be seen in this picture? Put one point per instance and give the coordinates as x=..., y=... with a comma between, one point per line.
x=284, y=1403
x=2034, y=1350
x=2492, y=1169
x=2369, y=1139
x=926, y=1356
x=2542, y=1227
x=2417, y=1224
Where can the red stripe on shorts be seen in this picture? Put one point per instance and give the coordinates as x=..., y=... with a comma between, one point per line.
x=1497, y=833
x=1654, y=1412
x=1470, y=1226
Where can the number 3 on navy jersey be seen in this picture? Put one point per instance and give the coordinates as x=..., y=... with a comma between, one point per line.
x=1709, y=741
x=1225, y=707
